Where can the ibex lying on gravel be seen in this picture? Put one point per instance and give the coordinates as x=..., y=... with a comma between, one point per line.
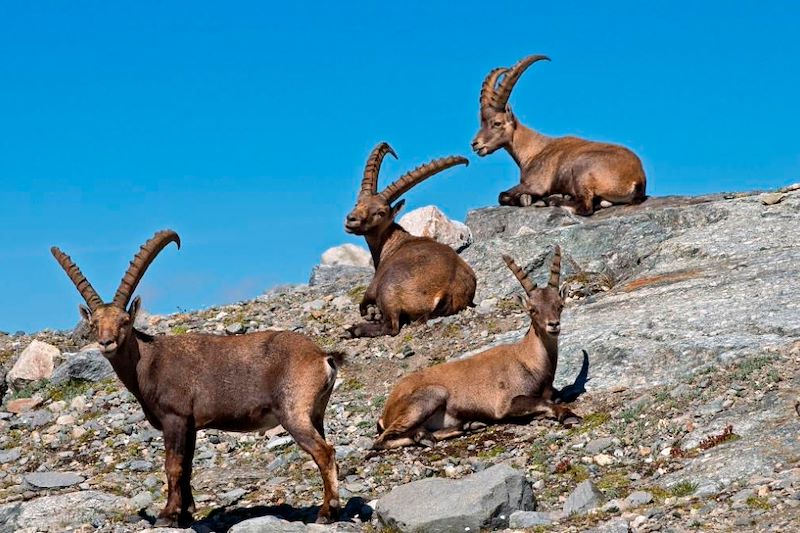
x=415, y=277
x=191, y=382
x=504, y=382
x=589, y=172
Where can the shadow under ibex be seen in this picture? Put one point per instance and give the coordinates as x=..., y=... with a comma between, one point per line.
x=570, y=393
x=224, y=518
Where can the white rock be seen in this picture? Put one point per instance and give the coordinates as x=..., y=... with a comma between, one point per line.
x=430, y=222
x=603, y=459
x=34, y=363
x=347, y=255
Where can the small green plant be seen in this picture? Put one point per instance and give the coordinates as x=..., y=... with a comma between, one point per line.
x=758, y=502
x=351, y=384
x=684, y=488
x=378, y=401
x=590, y=422
x=356, y=294
x=69, y=390
x=629, y=415
x=180, y=330
x=491, y=453
x=614, y=484
x=750, y=366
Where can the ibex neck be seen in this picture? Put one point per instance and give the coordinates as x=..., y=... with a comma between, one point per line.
x=525, y=145
x=535, y=342
x=125, y=362
x=383, y=244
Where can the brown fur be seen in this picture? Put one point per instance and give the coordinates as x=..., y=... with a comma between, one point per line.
x=588, y=172
x=240, y=383
x=501, y=383
x=416, y=278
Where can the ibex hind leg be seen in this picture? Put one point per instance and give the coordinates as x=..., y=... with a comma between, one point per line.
x=411, y=420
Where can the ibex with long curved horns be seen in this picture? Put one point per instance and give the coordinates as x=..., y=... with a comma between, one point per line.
x=415, y=277
x=190, y=382
x=501, y=383
x=591, y=173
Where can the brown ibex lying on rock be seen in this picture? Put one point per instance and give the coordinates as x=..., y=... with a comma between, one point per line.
x=591, y=173
x=415, y=277
x=190, y=382
x=504, y=382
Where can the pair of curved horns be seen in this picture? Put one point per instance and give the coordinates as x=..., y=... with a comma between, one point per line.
x=496, y=96
x=369, y=184
x=146, y=254
x=525, y=281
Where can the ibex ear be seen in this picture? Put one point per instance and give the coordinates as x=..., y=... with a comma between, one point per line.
x=510, y=114
x=521, y=300
x=85, y=312
x=134, y=308
x=397, y=208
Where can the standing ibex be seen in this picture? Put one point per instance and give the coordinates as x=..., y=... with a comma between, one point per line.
x=190, y=382
x=415, y=277
x=504, y=382
x=590, y=172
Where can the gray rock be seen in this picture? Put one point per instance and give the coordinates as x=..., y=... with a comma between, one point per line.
x=526, y=519
x=59, y=512
x=143, y=500
x=478, y=501
x=52, y=480
x=86, y=365
x=279, y=442
x=347, y=255
x=637, y=498
x=584, y=498
x=232, y=496
x=340, y=276
x=429, y=221
x=273, y=524
x=598, y=445
x=615, y=525
x=9, y=456
x=140, y=466
x=234, y=329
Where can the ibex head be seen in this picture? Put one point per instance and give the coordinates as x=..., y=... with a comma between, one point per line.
x=373, y=211
x=544, y=304
x=111, y=322
x=497, y=120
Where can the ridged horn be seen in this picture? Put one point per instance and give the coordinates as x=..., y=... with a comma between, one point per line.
x=520, y=274
x=369, y=185
x=488, y=87
x=419, y=174
x=146, y=254
x=510, y=79
x=555, y=269
x=93, y=299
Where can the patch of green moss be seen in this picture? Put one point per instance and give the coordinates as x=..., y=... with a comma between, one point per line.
x=378, y=401
x=351, y=384
x=356, y=294
x=758, y=502
x=69, y=390
x=749, y=366
x=492, y=452
x=180, y=330
x=590, y=422
x=614, y=484
x=684, y=488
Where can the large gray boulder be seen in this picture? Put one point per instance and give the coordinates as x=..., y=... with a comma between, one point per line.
x=60, y=512
x=88, y=365
x=484, y=500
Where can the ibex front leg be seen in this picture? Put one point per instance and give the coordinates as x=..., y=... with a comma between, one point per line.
x=522, y=406
x=176, y=433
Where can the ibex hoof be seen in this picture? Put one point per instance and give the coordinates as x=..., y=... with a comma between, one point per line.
x=525, y=200
x=373, y=314
x=572, y=421
x=166, y=521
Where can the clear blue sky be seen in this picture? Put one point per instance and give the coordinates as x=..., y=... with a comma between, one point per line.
x=245, y=126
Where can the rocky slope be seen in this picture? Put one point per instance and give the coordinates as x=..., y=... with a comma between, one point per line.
x=685, y=310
